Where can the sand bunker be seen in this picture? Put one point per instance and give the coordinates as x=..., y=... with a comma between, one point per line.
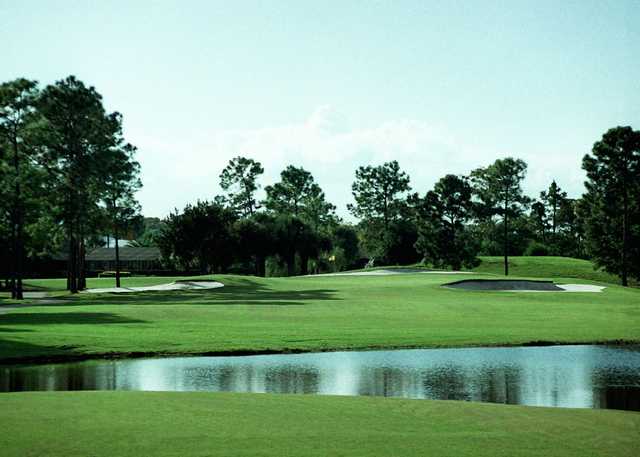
x=178, y=285
x=519, y=285
x=392, y=271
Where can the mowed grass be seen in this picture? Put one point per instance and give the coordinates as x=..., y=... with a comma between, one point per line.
x=203, y=424
x=57, y=287
x=313, y=313
x=546, y=267
x=535, y=267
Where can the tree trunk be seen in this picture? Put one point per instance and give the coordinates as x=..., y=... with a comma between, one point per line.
x=625, y=232
x=260, y=265
x=82, y=273
x=115, y=239
x=291, y=265
x=12, y=267
x=304, y=265
x=455, y=257
x=506, y=239
x=19, y=259
x=203, y=264
x=16, y=292
x=72, y=281
x=69, y=268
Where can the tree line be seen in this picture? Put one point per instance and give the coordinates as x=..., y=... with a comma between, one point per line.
x=295, y=230
x=66, y=173
x=69, y=178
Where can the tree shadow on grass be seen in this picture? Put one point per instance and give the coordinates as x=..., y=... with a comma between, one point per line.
x=14, y=323
x=16, y=351
x=44, y=318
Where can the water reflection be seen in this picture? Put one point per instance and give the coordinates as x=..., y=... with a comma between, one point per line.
x=567, y=376
x=616, y=389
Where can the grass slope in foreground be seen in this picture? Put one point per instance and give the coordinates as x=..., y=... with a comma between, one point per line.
x=315, y=313
x=200, y=424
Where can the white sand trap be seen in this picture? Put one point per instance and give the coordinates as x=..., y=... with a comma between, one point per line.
x=393, y=271
x=567, y=288
x=581, y=288
x=520, y=285
x=179, y=285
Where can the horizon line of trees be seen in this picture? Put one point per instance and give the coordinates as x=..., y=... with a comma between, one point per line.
x=462, y=217
x=69, y=178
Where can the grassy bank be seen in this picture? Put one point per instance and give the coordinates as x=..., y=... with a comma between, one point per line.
x=314, y=313
x=546, y=267
x=535, y=267
x=199, y=424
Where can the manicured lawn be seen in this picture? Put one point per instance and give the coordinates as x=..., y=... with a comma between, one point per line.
x=201, y=424
x=59, y=284
x=311, y=313
x=314, y=313
x=546, y=267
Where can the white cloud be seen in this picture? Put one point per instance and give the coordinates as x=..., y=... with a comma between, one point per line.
x=177, y=173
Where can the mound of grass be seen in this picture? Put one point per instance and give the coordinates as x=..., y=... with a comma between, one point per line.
x=312, y=314
x=546, y=267
x=69, y=424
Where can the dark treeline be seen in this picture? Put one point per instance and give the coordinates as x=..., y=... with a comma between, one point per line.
x=69, y=178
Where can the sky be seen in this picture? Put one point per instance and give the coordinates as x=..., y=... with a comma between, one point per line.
x=441, y=86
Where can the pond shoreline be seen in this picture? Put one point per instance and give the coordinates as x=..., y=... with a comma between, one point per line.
x=67, y=358
x=566, y=376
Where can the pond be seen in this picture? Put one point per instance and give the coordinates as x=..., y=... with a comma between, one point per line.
x=584, y=376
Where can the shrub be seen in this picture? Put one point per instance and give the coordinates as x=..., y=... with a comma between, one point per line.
x=537, y=249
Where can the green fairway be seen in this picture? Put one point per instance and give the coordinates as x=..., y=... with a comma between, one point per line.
x=136, y=424
x=314, y=313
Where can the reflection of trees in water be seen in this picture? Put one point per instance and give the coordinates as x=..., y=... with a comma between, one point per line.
x=616, y=388
x=500, y=384
x=105, y=376
x=225, y=378
x=551, y=384
x=98, y=376
x=290, y=379
x=248, y=378
x=489, y=384
x=446, y=383
x=17, y=379
x=88, y=376
x=390, y=382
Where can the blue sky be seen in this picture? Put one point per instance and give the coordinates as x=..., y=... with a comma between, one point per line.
x=443, y=87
